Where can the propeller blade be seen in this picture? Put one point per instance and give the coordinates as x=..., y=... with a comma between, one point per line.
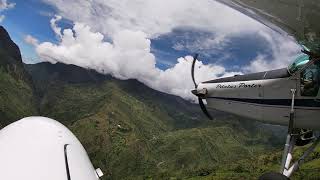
x=202, y=106
x=195, y=57
x=204, y=109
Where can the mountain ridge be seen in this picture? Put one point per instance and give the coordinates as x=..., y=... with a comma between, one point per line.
x=131, y=131
x=16, y=87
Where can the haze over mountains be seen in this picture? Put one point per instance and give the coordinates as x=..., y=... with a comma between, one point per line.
x=131, y=131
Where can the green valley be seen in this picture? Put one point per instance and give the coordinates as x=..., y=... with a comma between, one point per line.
x=131, y=131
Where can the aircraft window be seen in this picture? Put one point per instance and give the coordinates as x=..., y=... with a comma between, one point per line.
x=298, y=63
x=310, y=81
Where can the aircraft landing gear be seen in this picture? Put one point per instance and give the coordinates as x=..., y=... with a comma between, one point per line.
x=305, y=137
x=294, y=137
x=287, y=170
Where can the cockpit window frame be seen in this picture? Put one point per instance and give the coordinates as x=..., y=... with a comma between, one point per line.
x=298, y=64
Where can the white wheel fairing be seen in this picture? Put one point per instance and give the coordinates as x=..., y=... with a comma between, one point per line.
x=36, y=148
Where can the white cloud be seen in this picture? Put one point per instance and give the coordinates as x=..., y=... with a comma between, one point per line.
x=31, y=40
x=130, y=24
x=4, y=5
x=177, y=80
x=284, y=51
x=155, y=17
x=55, y=28
x=158, y=17
x=127, y=57
x=206, y=43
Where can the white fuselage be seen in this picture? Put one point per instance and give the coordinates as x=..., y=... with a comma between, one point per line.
x=267, y=100
x=38, y=148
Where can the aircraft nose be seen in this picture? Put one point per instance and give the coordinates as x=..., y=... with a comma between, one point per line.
x=200, y=92
x=194, y=91
x=34, y=148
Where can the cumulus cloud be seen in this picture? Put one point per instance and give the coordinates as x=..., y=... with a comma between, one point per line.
x=4, y=5
x=284, y=51
x=177, y=80
x=127, y=57
x=155, y=17
x=129, y=25
x=55, y=28
x=31, y=40
x=204, y=42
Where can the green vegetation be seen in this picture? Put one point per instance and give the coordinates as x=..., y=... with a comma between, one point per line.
x=133, y=132
x=253, y=167
x=130, y=136
x=16, y=99
x=16, y=91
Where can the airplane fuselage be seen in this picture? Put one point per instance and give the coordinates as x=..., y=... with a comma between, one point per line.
x=265, y=97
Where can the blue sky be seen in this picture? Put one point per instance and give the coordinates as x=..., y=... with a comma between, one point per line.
x=146, y=40
x=26, y=18
x=30, y=17
x=33, y=17
x=240, y=50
